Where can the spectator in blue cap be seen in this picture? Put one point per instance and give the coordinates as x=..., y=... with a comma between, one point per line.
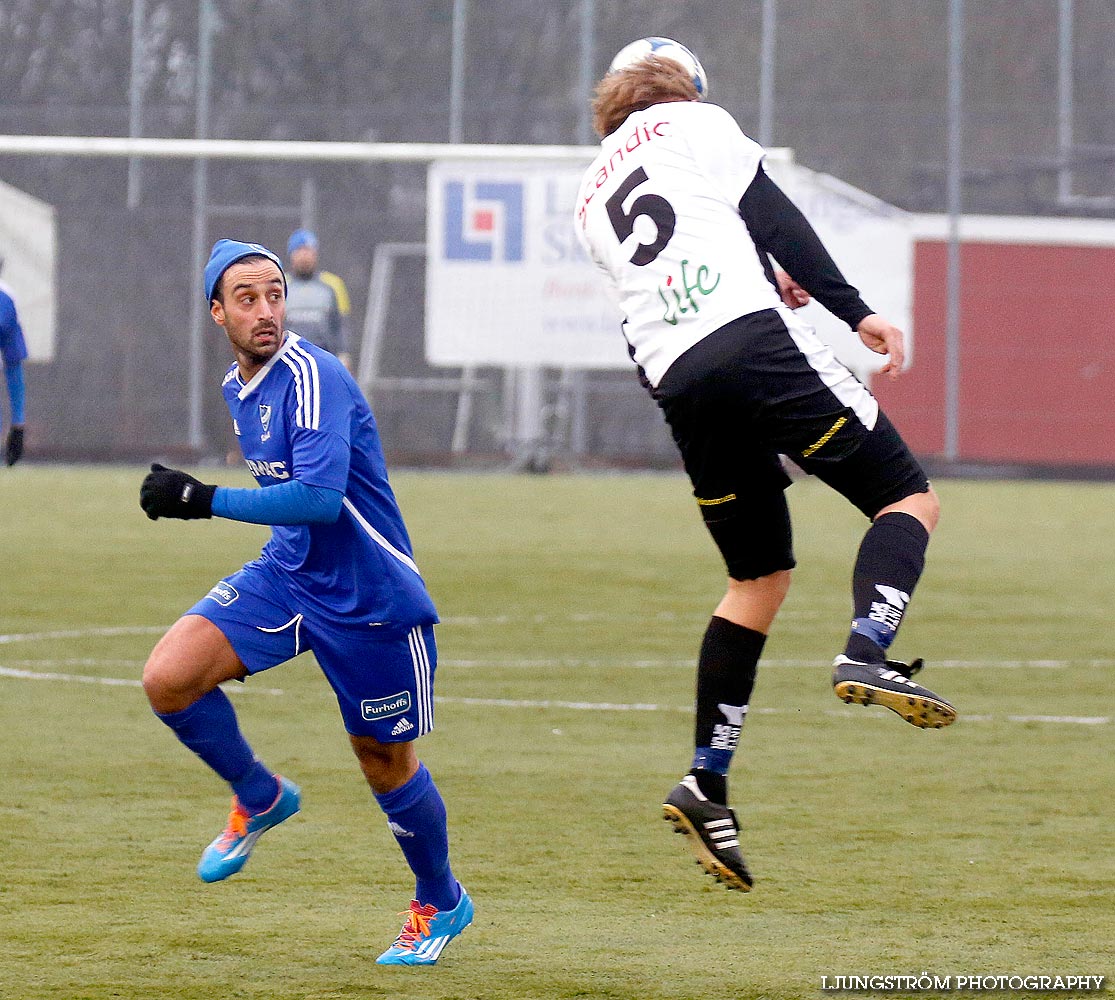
x=317, y=302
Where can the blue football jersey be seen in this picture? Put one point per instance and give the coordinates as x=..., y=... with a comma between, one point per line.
x=12, y=347
x=303, y=417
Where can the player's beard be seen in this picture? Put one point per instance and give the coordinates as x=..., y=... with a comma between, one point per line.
x=259, y=354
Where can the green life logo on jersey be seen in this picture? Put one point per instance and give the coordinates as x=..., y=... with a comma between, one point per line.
x=678, y=303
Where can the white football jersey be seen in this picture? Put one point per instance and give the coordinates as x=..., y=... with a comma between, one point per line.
x=658, y=211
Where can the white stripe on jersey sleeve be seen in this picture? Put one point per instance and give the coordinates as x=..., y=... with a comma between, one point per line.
x=301, y=389
x=300, y=409
x=313, y=382
x=307, y=383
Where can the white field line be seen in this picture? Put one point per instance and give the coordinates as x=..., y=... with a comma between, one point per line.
x=573, y=661
x=84, y=633
x=41, y=675
x=1009, y=664
x=519, y=703
x=1082, y=720
x=583, y=617
x=76, y=661
x=636, y=664
x=48, y=675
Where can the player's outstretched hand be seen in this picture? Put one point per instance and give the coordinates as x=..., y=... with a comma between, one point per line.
x=172, y=493
x=884, y=337
x=13, y=447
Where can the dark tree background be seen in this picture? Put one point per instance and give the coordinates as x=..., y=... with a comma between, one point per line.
x=860, y=92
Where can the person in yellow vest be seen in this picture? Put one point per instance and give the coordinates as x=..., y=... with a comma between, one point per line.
x=318, y=303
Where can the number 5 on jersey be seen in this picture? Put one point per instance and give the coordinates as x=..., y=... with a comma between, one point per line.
x=653, y=206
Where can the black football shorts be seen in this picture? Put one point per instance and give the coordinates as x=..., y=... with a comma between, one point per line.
x=765, y=386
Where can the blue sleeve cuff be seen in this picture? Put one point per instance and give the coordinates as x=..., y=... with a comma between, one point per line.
x=292, y=502
x=14, y=375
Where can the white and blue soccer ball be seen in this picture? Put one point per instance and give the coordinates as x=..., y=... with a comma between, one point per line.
x=663, y=48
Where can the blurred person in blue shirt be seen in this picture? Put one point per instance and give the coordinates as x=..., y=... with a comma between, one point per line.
x=14, y=353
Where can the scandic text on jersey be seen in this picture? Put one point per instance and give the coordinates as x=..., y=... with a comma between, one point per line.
x=643, y=132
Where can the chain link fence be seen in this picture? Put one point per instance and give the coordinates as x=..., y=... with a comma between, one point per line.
x=859, y=92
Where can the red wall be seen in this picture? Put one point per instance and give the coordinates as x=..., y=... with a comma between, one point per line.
x=1037, y=355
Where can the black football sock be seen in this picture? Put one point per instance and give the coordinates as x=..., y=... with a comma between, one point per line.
x=890, y=562
x=725, y=678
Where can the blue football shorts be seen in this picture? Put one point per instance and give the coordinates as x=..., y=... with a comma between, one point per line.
x=383, y=676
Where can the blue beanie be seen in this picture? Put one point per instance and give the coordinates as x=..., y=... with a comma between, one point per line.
x=225, y=253
x=301, y=238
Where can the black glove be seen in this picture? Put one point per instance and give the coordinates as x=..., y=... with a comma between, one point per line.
x=171, y=493
x=13, y=450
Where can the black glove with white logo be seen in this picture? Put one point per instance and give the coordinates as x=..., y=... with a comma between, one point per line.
x=13, y=448
x=172, y=493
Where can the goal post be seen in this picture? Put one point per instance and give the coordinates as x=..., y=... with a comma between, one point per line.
x=485, y=326
x=283, y=150
x=203, y=151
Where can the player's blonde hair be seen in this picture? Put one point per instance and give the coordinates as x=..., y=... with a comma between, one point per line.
x=650, y=81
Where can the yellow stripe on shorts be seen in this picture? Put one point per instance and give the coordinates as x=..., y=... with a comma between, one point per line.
x=825, y=438
x=713, y=503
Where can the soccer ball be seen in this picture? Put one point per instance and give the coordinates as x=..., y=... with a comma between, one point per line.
x=664, y=48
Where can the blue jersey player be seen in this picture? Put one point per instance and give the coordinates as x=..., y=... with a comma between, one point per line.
x=337, y=578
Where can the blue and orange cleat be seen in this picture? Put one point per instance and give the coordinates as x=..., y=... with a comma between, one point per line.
x=230, y=851
x=426, y=933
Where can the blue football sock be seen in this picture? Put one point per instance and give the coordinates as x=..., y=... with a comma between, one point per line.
x=416, y=815
x=209, y=728
x=708, y=759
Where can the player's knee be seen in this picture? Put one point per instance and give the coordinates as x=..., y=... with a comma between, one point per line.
x=932, y=504
x=754, y=602
x=778, y=584
x=386, y=766
x=770, y=588
x=163, y=685
x=926, y=507
x=171, y=686
x=173, y=683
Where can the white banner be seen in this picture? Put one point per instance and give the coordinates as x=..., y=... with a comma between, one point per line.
x=27, y=246
x=873, y=245
x=507, y=283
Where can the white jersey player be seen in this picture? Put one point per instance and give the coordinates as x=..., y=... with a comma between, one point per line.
x=683, y=221
x=675, y=252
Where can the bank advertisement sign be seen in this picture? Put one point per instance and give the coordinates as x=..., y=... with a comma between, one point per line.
x=507, y=283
